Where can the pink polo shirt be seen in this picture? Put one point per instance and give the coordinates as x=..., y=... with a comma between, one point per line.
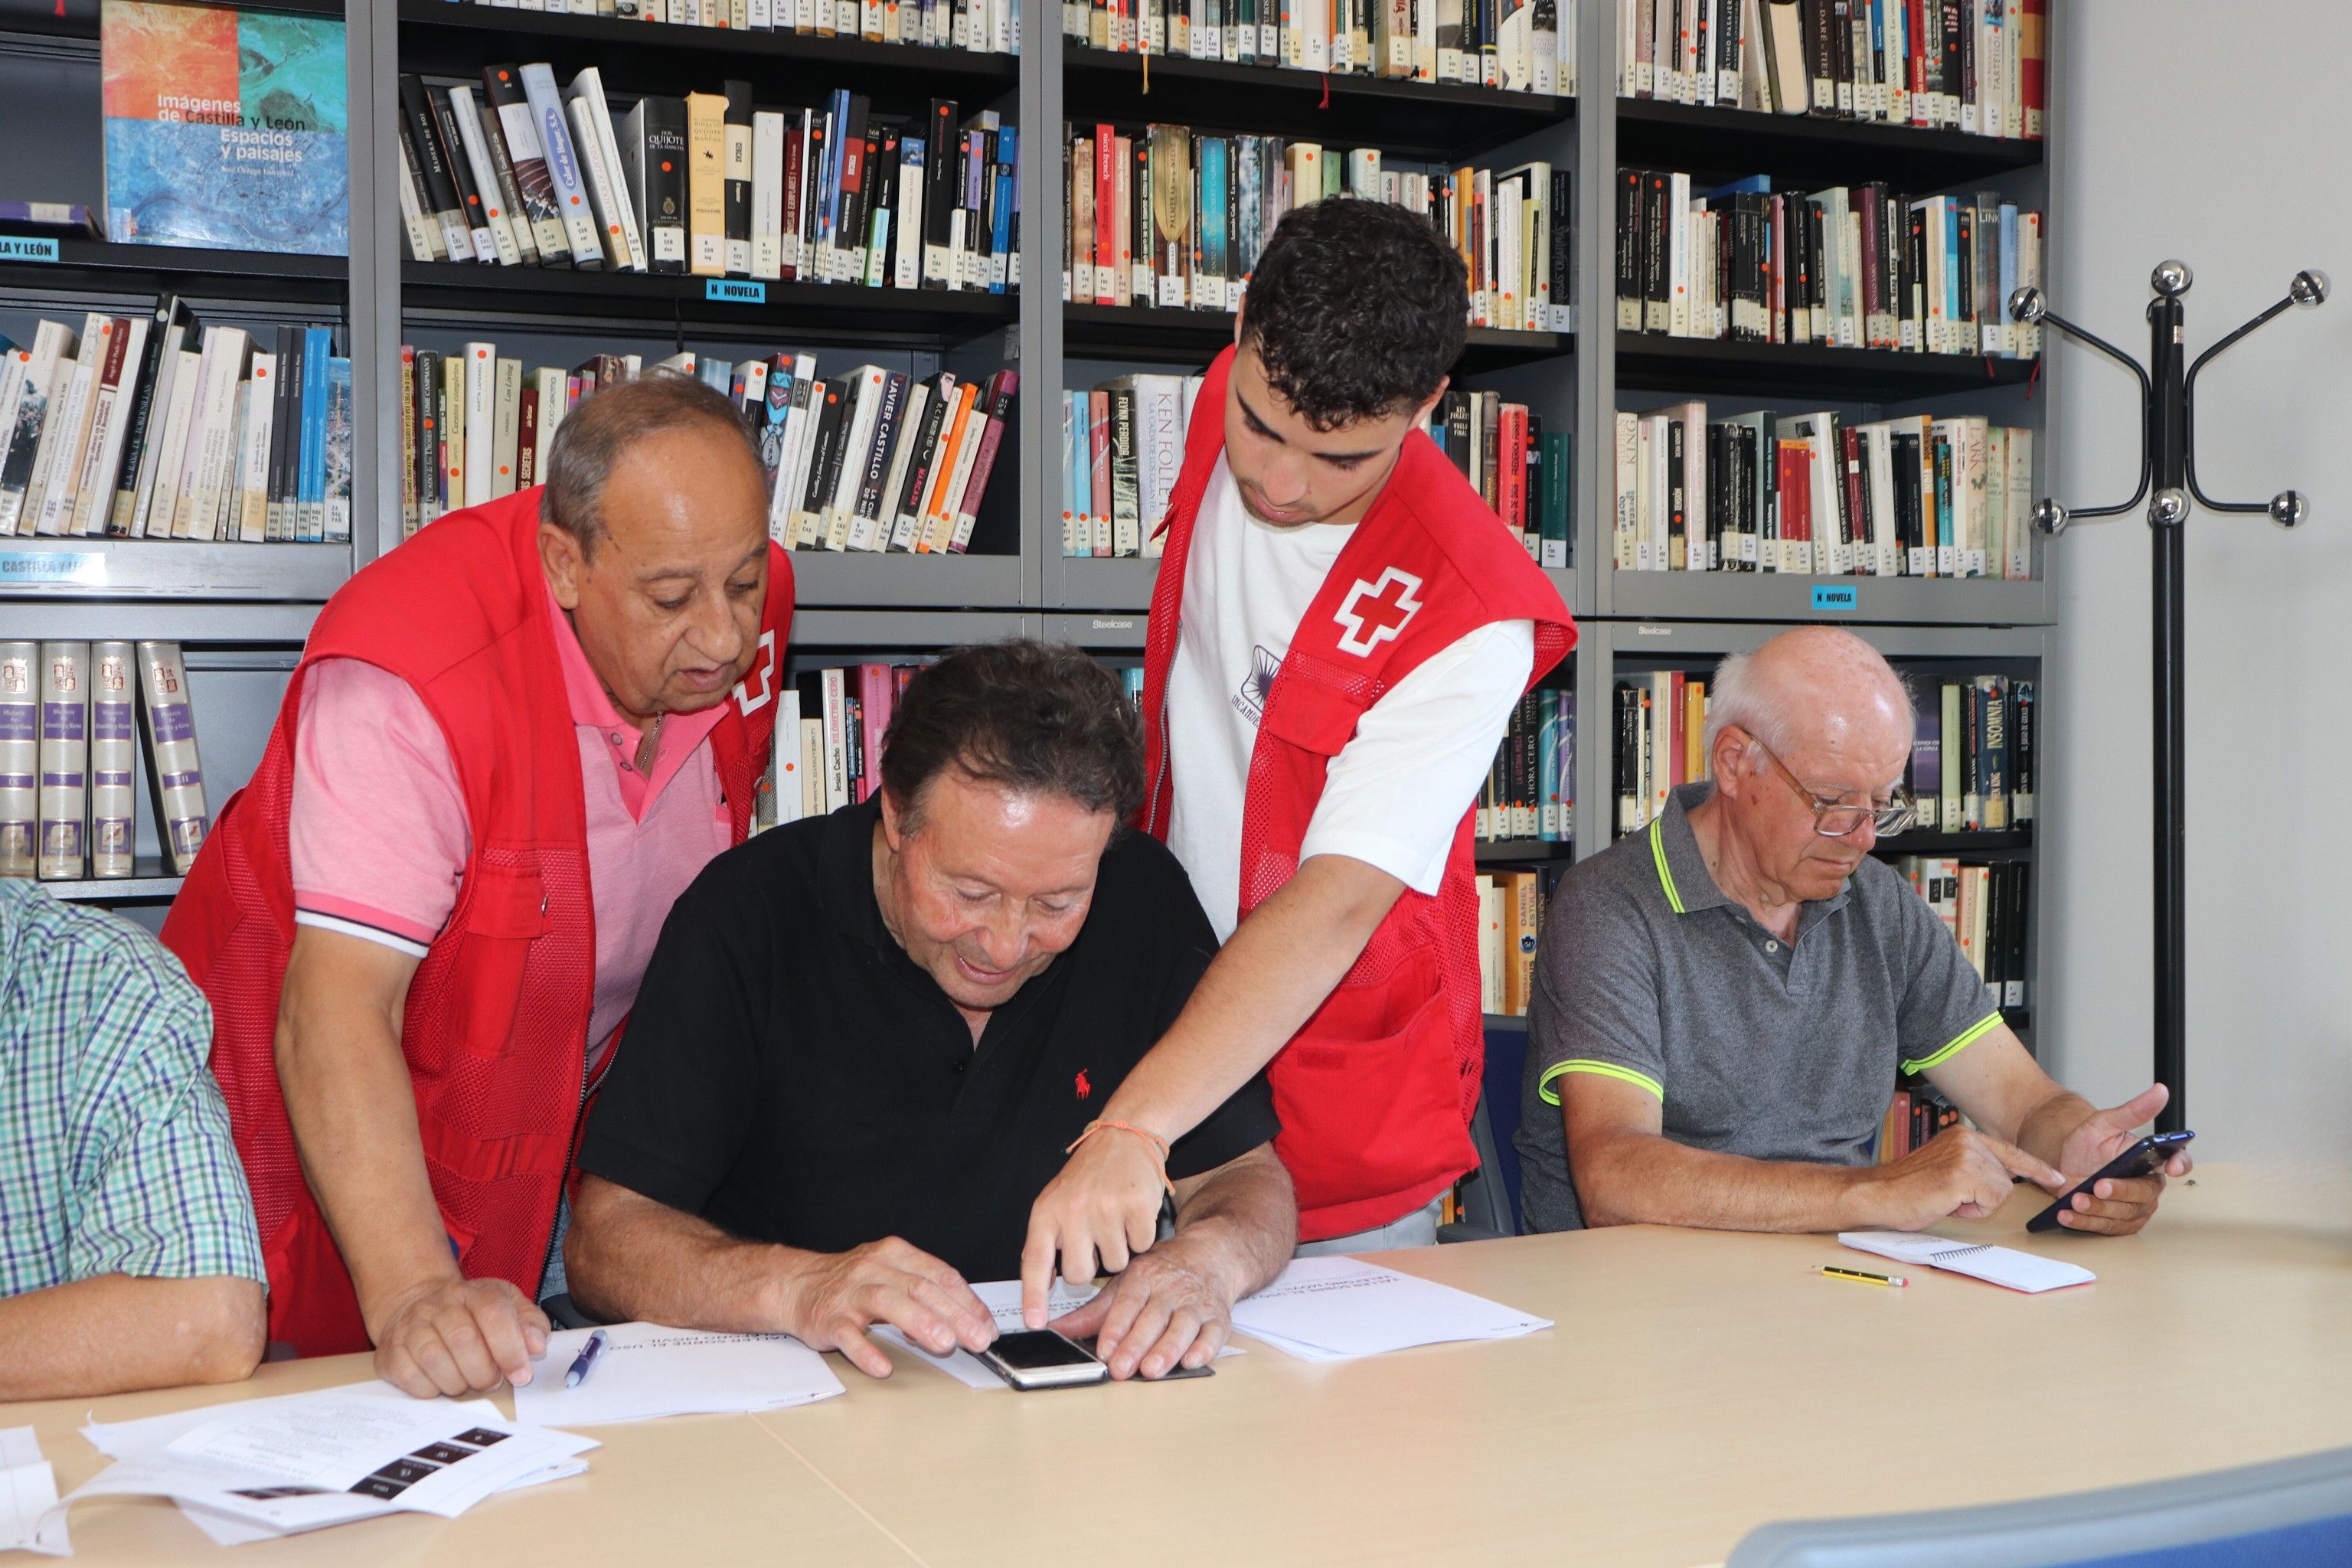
x=379, y=835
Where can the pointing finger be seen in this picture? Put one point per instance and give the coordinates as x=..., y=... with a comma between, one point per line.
x=1037, y=1269
x=2017, y=1162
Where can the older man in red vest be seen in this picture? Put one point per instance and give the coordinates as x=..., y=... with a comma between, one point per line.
x=1341, y=630
x=511, y=744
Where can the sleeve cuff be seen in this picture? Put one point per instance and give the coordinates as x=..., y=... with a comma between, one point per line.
x=1957, y=1044
x=1407, y=863
x=1550, y=1095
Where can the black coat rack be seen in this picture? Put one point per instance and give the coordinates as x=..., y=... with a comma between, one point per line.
x=2167, y=460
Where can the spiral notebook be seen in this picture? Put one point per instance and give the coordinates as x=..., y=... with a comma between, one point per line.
x=1994, y=1265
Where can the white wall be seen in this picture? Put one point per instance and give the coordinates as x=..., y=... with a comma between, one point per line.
x=2219, y=134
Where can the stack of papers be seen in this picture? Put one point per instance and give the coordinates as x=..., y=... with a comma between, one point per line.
x=1333, y=1309
x=1995, y=1265
x=646, y=1371
x=1002, y=1299
x=276, y=1467
x=28, y=1488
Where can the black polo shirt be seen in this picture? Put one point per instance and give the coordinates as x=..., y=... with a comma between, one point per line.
x=792, y=1076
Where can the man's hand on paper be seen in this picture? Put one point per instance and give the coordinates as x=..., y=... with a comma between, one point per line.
x=1958, y=1174
x=828, y=1303
x=2114, y=1207
x=1173, y=1305
x=1100, y=1209
x=457, y=1337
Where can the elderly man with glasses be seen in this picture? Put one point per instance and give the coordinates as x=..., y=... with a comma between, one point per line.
x=1724, y=1001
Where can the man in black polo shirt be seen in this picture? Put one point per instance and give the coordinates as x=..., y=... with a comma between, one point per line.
x=866, y=1040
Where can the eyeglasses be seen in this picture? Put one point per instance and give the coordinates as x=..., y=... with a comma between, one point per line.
x=1836, y=819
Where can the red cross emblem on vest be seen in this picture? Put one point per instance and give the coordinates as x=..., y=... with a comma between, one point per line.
x=1373, y=613
x=748, y=700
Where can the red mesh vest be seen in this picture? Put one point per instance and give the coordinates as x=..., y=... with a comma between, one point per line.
x=495, y=1032
x=1376, y=1091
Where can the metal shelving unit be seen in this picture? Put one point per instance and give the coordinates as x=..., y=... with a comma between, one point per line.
x=266, y=596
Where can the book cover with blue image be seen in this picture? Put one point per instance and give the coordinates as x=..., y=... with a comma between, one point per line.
x=225, y=127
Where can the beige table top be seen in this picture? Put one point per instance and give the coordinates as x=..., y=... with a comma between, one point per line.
x=1697, y=1385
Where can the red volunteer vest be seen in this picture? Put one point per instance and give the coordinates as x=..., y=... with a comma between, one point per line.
x=1376, y=1093
x=496, y=1029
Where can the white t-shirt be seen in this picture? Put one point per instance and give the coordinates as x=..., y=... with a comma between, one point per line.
x=1394, y=794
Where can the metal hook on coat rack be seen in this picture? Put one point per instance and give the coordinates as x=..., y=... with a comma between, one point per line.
x=2167, y=481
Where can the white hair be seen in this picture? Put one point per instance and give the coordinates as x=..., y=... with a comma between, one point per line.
x=1737, y=698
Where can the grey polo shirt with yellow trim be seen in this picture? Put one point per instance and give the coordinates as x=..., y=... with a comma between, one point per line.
x=1649, y=974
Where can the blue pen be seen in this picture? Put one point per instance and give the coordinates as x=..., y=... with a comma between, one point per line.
x=584, y=1360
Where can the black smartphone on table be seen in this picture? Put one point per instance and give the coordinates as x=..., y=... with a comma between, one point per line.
x=1040, y=1358
x=2143, y=1158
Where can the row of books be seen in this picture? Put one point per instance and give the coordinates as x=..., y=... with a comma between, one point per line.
x=1972, y=754
x=1915, y=1114
x=1975, y=66
x=71, y=715
x=1519, y=45
x=1984, y=906
x=1526, y=473
x=158, y=426
x=1169, y=216
x=828, y=741
x=1529, y=795
x=869, y=460
x=710, y=185
x=1123, y=447
x=1848, y=266
x=980, y=26
x=1511, y=910
x=1915, y=497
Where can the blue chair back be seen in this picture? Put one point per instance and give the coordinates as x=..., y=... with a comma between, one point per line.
x=1490, y=1195
x=2284, y=1514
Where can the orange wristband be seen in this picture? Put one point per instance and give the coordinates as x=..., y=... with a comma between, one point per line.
x=1158, y=1145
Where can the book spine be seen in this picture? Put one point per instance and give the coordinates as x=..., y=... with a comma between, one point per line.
x=563, y=165
x=518, y=130
x=706, y=183
x=20, y=757
x=311, y=498
x=175, y=766
x=117, y=398
x=476, y=150
x=164, y=331
x=975, y=489
x=65, y=759
x=252, y=507
x=422, y=134
x=113, y=756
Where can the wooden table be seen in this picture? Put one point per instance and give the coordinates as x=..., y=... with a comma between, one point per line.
x=1697, y=1385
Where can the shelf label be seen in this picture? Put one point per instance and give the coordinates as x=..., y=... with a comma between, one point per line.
x=27, y=247
x=735, y=292
x=1829, y=598
x=86, y=568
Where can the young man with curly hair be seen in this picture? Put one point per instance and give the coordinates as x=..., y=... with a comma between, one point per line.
x=1341, y=630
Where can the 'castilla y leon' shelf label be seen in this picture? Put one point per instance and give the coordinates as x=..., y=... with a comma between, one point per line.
x=83, y=567
x=27, y=247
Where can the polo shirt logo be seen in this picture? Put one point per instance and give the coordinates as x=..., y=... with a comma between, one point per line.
x=763, y=668
x=1086, y=1090
x=1388, y=606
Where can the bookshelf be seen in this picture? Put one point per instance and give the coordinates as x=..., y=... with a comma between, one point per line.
x=234, y=599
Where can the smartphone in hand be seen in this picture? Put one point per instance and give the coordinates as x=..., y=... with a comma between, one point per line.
x=2143, y=1158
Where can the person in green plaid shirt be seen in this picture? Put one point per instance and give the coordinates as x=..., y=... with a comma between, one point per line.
x=128, y=1254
